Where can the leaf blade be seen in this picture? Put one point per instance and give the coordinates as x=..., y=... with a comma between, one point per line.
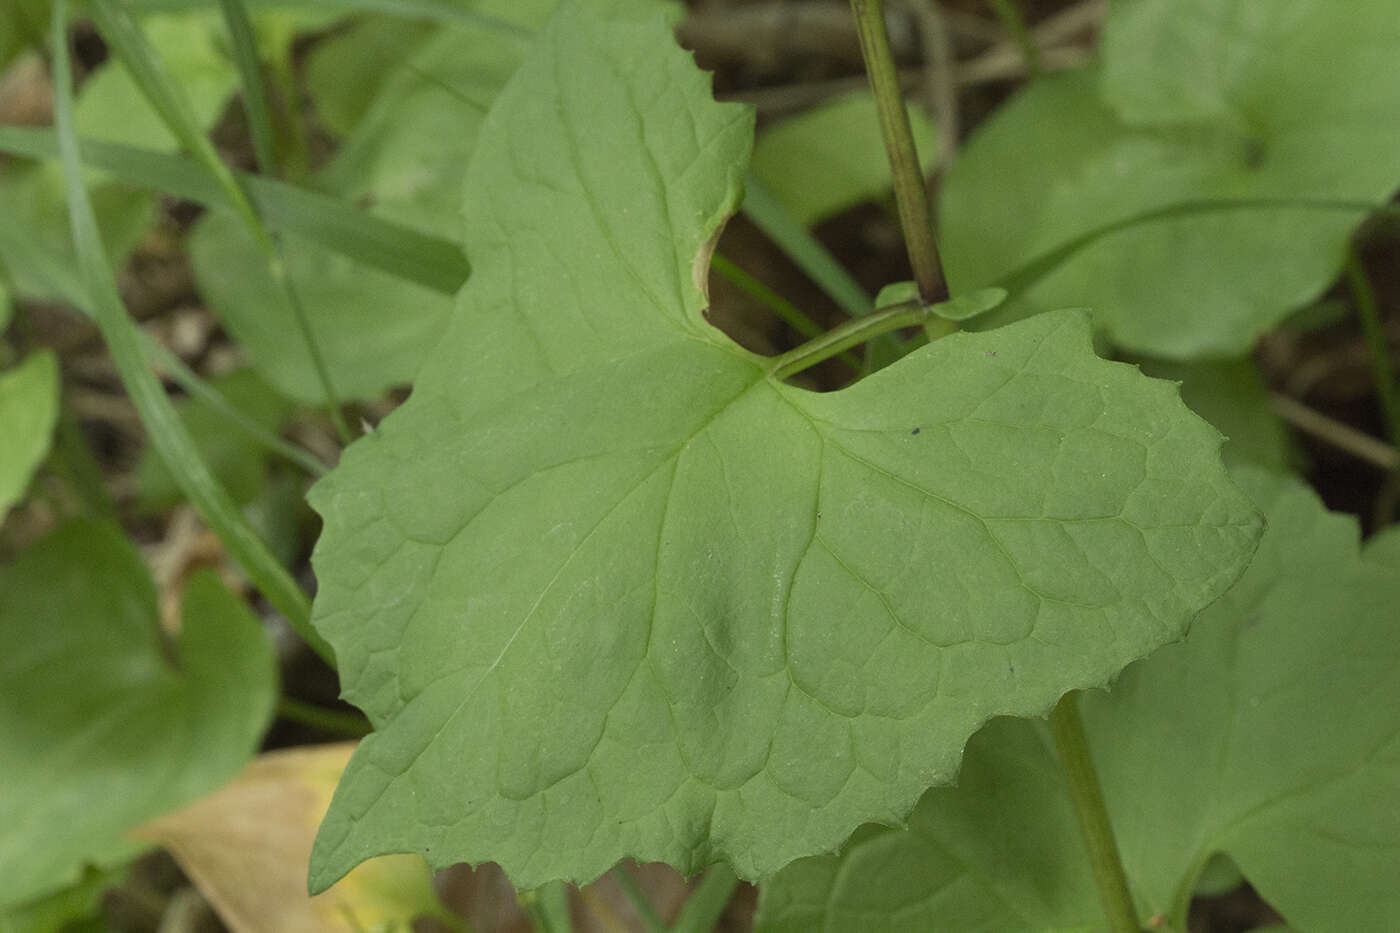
x=632, y=502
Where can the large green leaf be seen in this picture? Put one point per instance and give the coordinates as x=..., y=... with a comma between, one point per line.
x=1291, y=101
x=1269, y=735
x=28, y=413
x=405, y=161
x=99, y=728
x=607, y=588
x=832, y=157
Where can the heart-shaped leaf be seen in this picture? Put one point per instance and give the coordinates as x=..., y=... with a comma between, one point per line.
x=1270, y=735
x=1208, y=101
x=608, y=588
x=99, y=730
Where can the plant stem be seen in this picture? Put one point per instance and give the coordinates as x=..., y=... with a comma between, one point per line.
x=792, y=315
x=351, y=725
x=847, y=335
x=638, y=899
x=1087, y=797
x=909, y=194
x=1382, y=363
x=1010, y=15
x=1341, y=436
x=707, y=902
x=548, y=907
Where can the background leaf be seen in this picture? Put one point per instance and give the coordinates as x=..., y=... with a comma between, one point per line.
x=1288, y=107
x=405, y=161
x=637, y=598
x=28, y=412
x=239, y=465
x=99, y=729
x=1269, y=735
x=111, y=108
x=22, y=23
x=831, y=157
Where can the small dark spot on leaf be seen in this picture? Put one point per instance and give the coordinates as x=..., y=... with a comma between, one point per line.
x=915, y=431
x=1254, y=152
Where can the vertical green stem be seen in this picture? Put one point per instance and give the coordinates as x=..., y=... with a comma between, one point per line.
x=548, y=908
x=910, y=196
x=255, y=103
x=638, y=899
x=1087, y=797
x=1383, y=365
x=1382, y=362
x=1010, y=15
x=707, y=902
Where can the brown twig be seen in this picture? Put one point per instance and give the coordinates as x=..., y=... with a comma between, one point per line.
x=1344, y=437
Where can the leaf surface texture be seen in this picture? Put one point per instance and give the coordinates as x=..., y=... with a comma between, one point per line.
x=1269, y=735
x=607, y=589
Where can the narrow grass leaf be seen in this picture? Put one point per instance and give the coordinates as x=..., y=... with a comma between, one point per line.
x=255, y=103
x=167, y=432
x=770, y=216
x=438, y=11
x=144, y=63
x=434, y=262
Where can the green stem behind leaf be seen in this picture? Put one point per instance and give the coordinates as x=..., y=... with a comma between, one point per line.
x=255, y=105
x=792, y=315
x=641, y=904
x=853, y=332
x=1087, y=797
x=707, y=902
x=909, y=194
x=1382, y=362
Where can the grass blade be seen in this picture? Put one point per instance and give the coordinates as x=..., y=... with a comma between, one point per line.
x=56, y=275
x=401, y=251
x=245, y=56
x=167, y=432
x=146, y=69
x=791, y=315
x=436, y=11
x=769, y=215
x=707, y=902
